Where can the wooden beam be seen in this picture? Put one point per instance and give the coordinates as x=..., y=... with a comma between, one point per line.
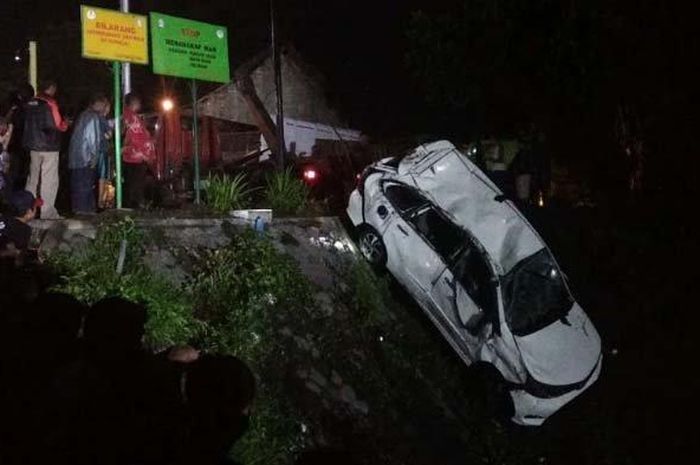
x=259, y=113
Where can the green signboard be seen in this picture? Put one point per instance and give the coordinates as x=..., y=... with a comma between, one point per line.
x=189, y=49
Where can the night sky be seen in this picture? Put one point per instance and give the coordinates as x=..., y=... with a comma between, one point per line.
x=355, y=44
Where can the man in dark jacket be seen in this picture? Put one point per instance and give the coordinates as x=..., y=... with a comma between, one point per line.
x=15, y=231
x=85, y=146
x=43, y=128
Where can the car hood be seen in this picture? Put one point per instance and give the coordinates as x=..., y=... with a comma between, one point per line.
x=564, y=352
x=458, y=186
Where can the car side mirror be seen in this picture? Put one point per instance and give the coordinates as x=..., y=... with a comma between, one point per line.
x=382, y=211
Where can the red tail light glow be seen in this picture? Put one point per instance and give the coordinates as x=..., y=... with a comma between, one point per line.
x=310, y=175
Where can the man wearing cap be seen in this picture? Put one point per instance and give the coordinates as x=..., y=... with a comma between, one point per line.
x=15, y=232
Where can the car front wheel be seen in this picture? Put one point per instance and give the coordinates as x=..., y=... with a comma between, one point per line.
x=372, y=247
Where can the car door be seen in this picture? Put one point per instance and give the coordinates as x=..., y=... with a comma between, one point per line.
x=476, y=295
x=460, y=311
x=465, y=291
x=409, y=257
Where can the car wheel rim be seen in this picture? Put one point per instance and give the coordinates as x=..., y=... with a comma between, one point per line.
x=371, y=247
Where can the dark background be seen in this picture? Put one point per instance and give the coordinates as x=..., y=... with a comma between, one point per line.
x=446, y=68
x=461, y=69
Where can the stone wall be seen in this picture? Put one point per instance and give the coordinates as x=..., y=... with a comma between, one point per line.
x=312, y=242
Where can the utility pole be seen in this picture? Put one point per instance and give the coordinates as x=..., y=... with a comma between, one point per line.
x=277, y=62
x=126, y=67
x=33, y=65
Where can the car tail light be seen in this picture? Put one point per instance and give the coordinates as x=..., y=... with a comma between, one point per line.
x=310, y=175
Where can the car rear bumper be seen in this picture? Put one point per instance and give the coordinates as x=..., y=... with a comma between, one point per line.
x=533, y=411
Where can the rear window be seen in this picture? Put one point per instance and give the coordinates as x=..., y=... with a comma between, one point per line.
x=393, y=162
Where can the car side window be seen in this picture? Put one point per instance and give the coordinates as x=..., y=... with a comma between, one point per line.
x=403, y=198
x=443, y=235
x=476, y=276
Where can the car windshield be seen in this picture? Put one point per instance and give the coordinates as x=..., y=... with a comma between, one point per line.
x=535, y=294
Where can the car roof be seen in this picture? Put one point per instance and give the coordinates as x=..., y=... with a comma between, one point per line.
x=473, y=201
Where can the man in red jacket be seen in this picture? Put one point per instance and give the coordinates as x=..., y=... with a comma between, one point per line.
x=43, y=129
x=137, y=154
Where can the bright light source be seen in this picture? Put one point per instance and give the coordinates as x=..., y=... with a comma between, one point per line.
x=310, y=174
x=167, y=104
x=18, y=58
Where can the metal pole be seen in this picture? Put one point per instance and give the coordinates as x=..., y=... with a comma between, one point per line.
x=118, y=131
x=126, y=67
x=195, y=141
x=32, y=65
x=277, y=61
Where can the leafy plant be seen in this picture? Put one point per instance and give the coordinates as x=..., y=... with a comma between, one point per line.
x=226, y=193
x=246, y=292
x=91, y=275
x=285, y=193
x=369, y=295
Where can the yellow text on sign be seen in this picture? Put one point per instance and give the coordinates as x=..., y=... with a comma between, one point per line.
x=114, y=36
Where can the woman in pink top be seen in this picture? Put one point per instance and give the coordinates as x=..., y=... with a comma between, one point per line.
x=137, y=154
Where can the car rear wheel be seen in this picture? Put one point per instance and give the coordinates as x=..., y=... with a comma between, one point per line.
x=372, y=247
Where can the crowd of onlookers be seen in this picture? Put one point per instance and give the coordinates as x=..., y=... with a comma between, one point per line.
x=77, y=386
x=34, y=132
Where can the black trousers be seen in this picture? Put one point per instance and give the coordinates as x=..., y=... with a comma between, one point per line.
x=134, y=184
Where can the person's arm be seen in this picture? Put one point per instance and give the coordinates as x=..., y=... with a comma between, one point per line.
x=7, y=137
x=94, y=141
x=60, y=124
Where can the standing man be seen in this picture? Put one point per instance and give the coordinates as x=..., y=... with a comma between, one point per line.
x=43, y=127
x=85, y=146
x=138, y=152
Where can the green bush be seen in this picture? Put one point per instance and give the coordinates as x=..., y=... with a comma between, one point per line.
x=92, y=275
x=285, y=193
x=225, y=193
x=369, y=295
x=246, y=292
x=235, y=303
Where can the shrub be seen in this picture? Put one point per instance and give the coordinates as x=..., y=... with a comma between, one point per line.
x=246, y=292
x=226, y=193
x=92, y=275
x=369, y=294
x=285, y=193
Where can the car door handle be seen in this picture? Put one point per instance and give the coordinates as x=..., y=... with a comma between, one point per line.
x=405, y=233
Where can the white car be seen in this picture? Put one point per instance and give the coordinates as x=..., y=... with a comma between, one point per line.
x=481, y=273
